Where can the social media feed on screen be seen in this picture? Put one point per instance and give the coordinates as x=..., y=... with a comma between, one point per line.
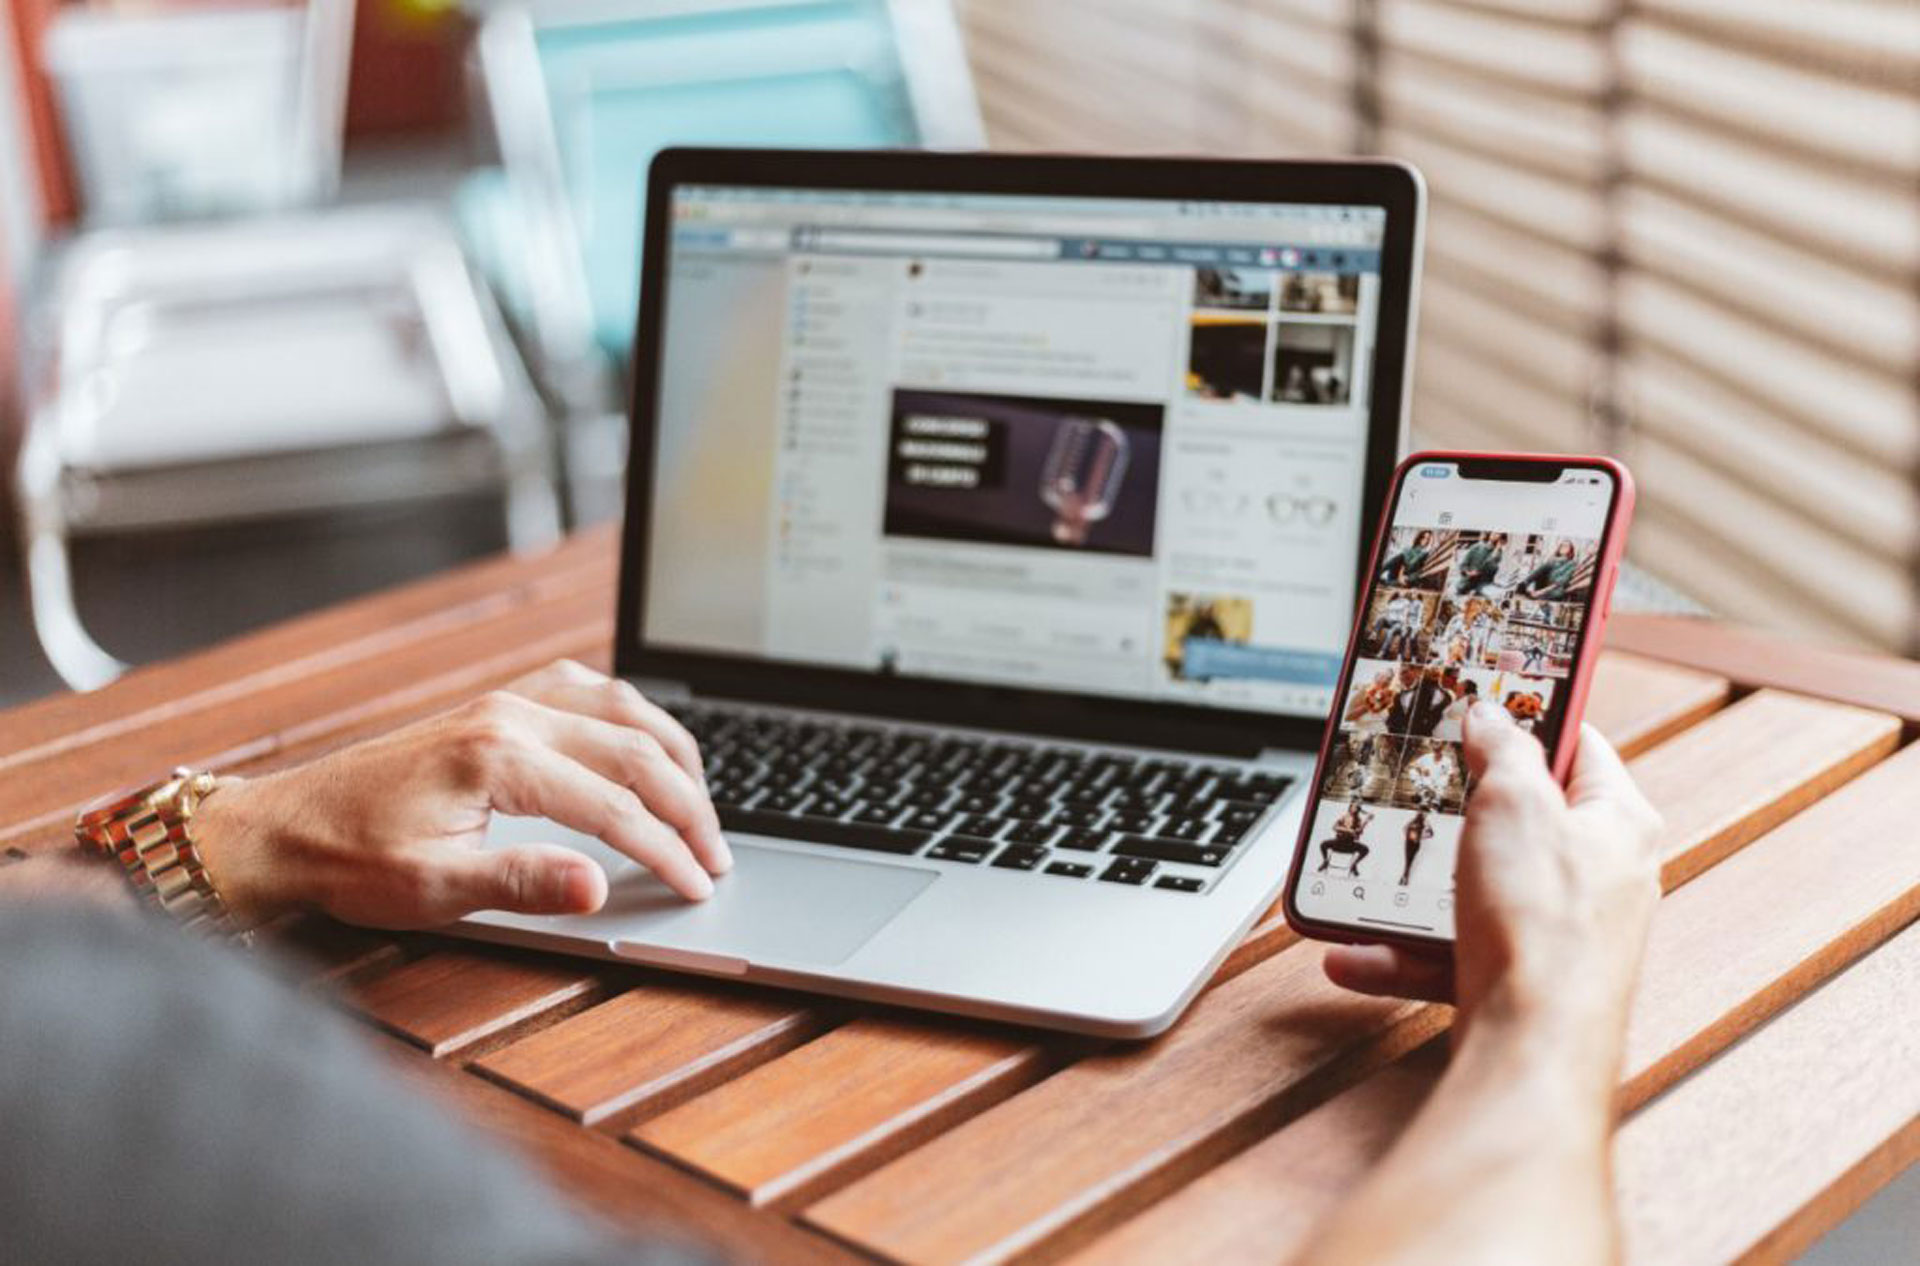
x=1480, y=593
x=1110, y=446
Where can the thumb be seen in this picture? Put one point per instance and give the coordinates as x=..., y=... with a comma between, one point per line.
x=1489, y=738
x=535, y=879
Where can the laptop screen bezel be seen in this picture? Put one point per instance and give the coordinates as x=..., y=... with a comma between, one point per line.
x=1156, y=721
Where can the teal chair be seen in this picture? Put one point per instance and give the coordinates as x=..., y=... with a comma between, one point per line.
x=584, y=94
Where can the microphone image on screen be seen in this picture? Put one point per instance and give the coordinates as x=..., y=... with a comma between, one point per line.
x=1081, y=479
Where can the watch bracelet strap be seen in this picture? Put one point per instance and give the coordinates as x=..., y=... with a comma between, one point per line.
x=157, y=854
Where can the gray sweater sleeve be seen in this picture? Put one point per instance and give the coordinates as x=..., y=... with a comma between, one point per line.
x=162, y=1101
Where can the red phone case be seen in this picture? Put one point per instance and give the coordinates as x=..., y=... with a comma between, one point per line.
x=1606, y=572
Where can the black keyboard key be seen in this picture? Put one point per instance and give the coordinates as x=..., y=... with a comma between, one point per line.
x=875, y=839
x=928, y=820
x=1260, y=788
x=1131, y=821
x=978, y=803
x=877, y=814
x=1239, y=811
x=1231, y=832
x=979, y=825
x=780, y=801
x=826, y=807
x=1072, y=870
x=1032, y=810
x=1020, y=857
x=961, y=848
x=1082, y=838
x=1183, y=828
x=1171, y=850
x=1031, y=833
x=1128, y=870
x=1179, y=883
x=1072, y=815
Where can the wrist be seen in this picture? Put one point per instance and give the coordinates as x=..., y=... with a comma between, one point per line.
x=248, y=850
x=1567, y=1041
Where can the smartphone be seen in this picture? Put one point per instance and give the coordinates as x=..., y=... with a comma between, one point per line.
x=1491, y=578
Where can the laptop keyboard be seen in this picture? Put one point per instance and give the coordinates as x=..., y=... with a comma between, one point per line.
x=1050, y=811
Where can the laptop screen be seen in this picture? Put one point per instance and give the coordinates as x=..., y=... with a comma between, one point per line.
x=1103, y=445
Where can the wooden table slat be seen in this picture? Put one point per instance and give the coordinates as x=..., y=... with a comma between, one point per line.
x=1727, y=950
x=649, y=1047
x=1261, y=1206
x=1043, y=1167
x=1785, y=1134
x=1766, y=924
x=647, y=1197
x=448, y=1001
x=1746, y=769
x=841, y=1105
x=1753, y=657
x=1637, y=702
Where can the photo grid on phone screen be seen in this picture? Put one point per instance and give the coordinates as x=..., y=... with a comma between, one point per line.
x=1454, y=617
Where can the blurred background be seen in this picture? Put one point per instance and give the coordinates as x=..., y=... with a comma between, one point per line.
x=305, y=299
x=298, y=301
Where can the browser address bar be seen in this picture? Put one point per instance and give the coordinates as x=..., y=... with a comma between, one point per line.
x=929, y=244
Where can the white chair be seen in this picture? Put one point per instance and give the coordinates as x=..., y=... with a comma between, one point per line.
x=246, y=369
x=182, y=113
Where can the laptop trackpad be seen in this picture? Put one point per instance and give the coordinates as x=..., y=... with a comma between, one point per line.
x=773, y=907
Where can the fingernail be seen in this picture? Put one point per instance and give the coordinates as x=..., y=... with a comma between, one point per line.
x=569, y=881
x=702, y=885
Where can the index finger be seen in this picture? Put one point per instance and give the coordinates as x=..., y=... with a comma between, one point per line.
x=539, y=781
x=581, y=690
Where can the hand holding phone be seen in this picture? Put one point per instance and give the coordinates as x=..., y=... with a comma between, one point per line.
x=1555, y=888
x=1490, y=582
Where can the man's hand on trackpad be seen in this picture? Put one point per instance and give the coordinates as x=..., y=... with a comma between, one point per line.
x=388, y=832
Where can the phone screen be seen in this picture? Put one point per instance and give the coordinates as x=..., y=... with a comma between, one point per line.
x=1481, y=591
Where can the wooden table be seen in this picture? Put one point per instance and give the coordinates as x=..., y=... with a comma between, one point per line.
x=1771, y=1074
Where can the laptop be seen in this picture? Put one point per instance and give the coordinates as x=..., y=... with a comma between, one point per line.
x=996, y=522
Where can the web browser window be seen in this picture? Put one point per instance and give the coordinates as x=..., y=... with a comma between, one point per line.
x=1111, y=446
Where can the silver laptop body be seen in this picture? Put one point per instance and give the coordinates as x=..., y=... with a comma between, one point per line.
x=996, y=522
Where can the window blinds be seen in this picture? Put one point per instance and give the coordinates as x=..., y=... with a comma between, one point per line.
x=1687, y=231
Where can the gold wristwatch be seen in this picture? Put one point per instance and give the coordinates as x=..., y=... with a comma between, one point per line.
x=150, y=833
